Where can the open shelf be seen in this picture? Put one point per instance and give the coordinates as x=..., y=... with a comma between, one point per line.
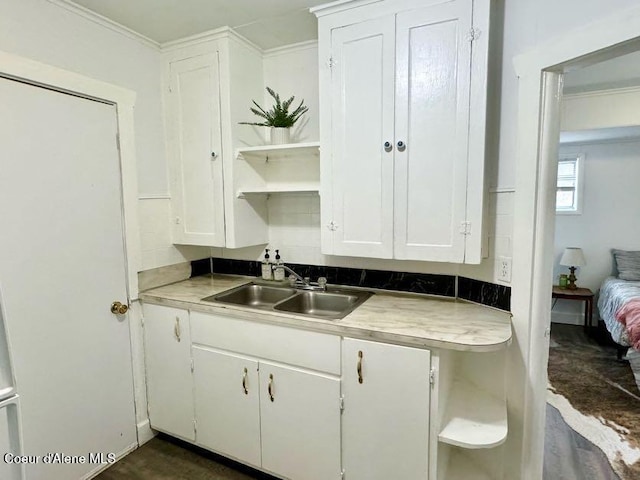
x=288, y=150
x=269, y=189
x=482, y=425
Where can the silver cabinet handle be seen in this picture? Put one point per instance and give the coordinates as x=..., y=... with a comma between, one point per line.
x=401, y=145
x=244, y=382
x=359, y=367
x=213, y=155
x=387, y=146
x=176, y=329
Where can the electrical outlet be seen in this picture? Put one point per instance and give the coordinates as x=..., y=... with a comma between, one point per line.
x=504, y=269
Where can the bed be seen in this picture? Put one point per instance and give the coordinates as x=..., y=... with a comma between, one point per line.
x=617, y=303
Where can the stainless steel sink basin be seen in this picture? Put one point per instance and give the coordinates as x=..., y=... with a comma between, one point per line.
x=332, y=304
x=252, y=295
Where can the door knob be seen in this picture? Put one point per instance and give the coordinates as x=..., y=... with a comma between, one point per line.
x=387, y=146
x=118, y=308
x=401, y=146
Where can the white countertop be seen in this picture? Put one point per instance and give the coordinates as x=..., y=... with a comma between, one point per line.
x=394, y=317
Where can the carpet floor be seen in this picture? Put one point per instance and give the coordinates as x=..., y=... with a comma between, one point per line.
x=600, y=394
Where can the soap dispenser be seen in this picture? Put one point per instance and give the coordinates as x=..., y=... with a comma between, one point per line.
x=278, y=271
x=266, y=266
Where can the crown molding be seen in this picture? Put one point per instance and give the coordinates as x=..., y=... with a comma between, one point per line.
x=294, y=47
x=105, y=22
x=218, y=33
x=339, y=6
x=602, y=92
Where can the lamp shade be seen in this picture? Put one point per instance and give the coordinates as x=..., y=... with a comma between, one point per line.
x=573, y=257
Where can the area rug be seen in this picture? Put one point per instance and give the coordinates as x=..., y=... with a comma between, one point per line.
x=597, y=396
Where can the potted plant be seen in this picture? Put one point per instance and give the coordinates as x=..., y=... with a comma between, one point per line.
x=279, y=118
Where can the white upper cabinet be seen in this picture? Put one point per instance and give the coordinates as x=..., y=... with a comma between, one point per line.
x=197, y=180
x=402, y=128
x=209, y=82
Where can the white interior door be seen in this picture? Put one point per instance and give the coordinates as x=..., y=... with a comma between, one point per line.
x=433, y=65
x=361, y=181
x=62, y=264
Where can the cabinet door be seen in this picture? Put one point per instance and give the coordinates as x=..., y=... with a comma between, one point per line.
x=359, y=179
x=195, y=137
x=433, y=64
x=385, y=423
x=227, y=404
x=168, y=367
x=300, y=420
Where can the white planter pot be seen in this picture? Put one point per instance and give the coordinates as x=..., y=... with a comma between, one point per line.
x=280, y=136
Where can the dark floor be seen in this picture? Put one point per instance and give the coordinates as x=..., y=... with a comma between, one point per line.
x=577, y=364
x=164, y=458
x=583, y=368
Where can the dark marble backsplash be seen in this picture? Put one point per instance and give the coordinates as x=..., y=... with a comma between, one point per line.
x=498, y=296
x=481, y=292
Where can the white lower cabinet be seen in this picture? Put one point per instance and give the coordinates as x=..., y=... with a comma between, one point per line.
x=242, y=404
x=167, y=343
x=268, y=396
x=385, y=423
x=300, y=423
x=227, y=404
x=304, y=405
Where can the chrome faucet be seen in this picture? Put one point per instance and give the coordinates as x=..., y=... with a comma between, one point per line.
x=303, y=283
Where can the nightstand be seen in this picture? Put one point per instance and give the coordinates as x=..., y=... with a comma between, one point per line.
x=582, y=294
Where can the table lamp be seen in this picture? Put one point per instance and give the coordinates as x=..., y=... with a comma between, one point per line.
x=572, y=258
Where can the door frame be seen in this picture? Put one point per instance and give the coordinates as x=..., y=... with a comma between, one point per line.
x=540, y=74
x=22, y=69
x=39, y=74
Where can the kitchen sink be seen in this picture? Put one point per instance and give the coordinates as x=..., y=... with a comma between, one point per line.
x=330, y=304
x=252, y=295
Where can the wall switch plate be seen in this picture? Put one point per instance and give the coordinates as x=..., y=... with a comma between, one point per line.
x=504, y=269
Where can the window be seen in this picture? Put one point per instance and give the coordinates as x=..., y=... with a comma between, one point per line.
x=569, y=187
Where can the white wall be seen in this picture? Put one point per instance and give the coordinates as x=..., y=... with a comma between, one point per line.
x=47, y=32
x=43, y=31
x=609, y=218
x=293, y=70
x=294, y=220
x=601, y=109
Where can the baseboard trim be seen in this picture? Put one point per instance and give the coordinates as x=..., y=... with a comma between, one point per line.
x=100, y=468
x=567, y=318
x=145, y=433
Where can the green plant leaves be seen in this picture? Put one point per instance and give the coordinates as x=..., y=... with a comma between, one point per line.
x=278, y=115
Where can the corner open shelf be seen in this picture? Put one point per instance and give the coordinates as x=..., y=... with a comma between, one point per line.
x=483, y=426
x=295, y=169
x=288, y=150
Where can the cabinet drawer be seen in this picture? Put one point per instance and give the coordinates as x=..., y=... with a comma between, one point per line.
x=312, y=350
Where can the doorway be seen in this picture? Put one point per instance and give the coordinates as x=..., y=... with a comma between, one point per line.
x=62, y=264
x=593, y=399
x=540, y=77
